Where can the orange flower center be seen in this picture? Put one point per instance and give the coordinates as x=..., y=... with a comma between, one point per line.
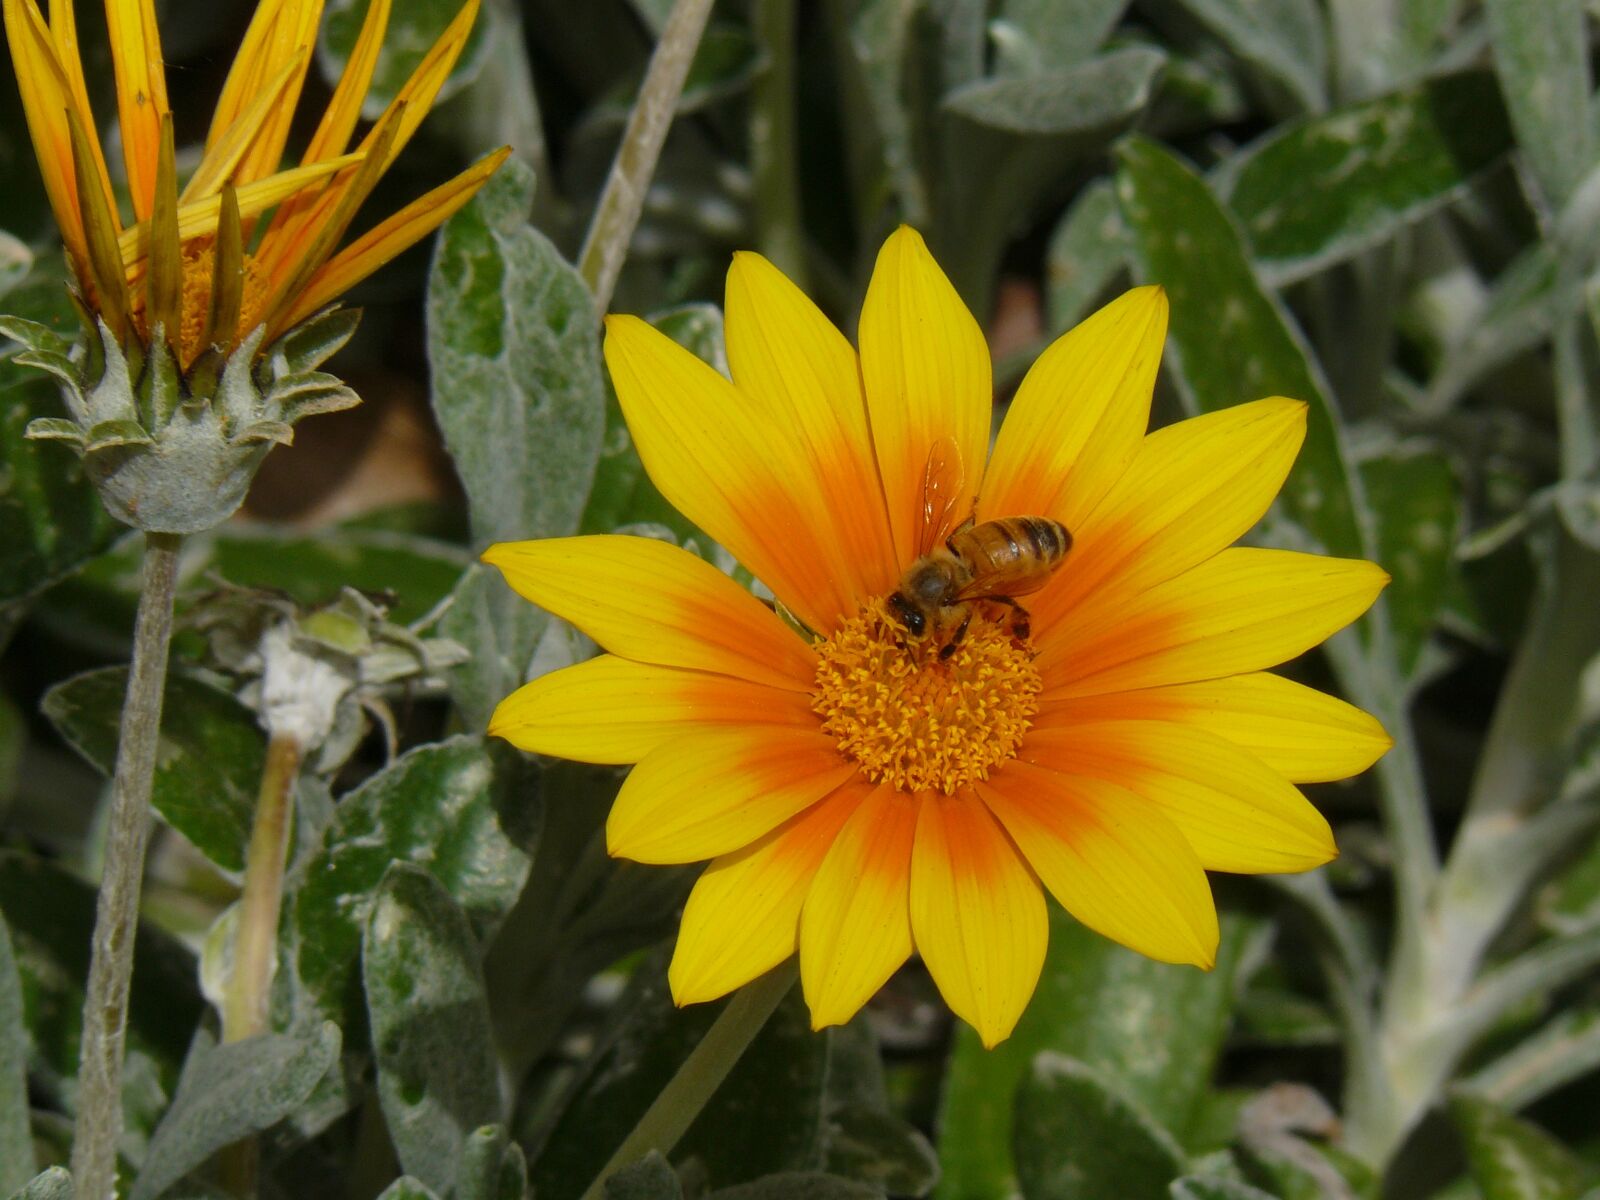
x=915, y=720
x=195, y=319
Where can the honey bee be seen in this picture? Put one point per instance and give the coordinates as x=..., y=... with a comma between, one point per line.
x=992, y=562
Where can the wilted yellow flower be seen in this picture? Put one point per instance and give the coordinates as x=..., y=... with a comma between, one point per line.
x=862, y=794
x=191, y=261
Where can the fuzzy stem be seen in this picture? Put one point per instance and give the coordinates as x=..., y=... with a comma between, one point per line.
x=617, y=213
x=105, y=1005
x=672, y=1112
x=244, y=1010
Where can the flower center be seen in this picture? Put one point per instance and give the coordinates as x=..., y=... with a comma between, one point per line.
x=198, y=259
x=915, y=720
x=195, y=301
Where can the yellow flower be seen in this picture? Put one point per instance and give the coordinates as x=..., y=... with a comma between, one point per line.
x=192, y=261
x=860, y=796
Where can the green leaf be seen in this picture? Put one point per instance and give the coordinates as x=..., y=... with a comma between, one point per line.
x=1155, y=1028
x=1032, y=36
x=580, y=912
x=1196, y=1187
x=651, y=1178
x=515, y=355
x=1078, y=1138
x=517, y=390
x=437, y=1078
x=883, y=147
x=872, y=1146
x=1564, y=1049
x=230, y=1091
x=1541, y=287
x=1231, y=340
x=1571, y=902
x=1274, y=1016
x=53, y=1184
x=208, y=762
x=16, y=1137
x=51, y=917
x=51, y=520
x=725, y=62
x=501, y=629
x=1511, y=1159
x=1425, y=22
x=1089, y=247
x=415, y=572
x=407, y=1188
x=414, y=26
x=1282, y=39
x=436, y=807
x=1417, y=510
x=798, y=1185
x=1541, y=52
x=1009, y=142
x=491, y=1167
x=1092, y=97
x=778, y=1087
x=1321, y=190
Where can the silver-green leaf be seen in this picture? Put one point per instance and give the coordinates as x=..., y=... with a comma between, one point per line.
x=437, y=1079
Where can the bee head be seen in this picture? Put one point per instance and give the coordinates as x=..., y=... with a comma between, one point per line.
x=908, y=615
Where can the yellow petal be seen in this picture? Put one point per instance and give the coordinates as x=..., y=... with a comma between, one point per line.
x=1302, y=734
x=855, y=927
x=141, y=93
x=654, y=603
x=977, y=915
x=711, y=792
x=1079, y=415
x=743, y=916
x=1241, y=610
x=788, y=357
x=200, y=218
x=1112, y=860
x=1192, y=489
x=300, y=236
x=249, y=67
x=63, y=36
x=727, y=465
x=344, y=109
x=417, y=94
x=305, y=230
x=46, y=99
x=388, y=239
x=926, y=371
x=282, y=34
x=612, y=710
x=1237, y=814
x=219, y=166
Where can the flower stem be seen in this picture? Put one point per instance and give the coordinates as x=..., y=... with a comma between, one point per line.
x=668, y=1118
x=105, y=1005
x=245, y=1007
x=617, y=213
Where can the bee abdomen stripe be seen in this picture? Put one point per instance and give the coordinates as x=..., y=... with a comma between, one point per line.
x=1044, y=537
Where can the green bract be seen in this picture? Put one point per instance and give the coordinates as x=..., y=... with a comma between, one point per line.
x=175, y=453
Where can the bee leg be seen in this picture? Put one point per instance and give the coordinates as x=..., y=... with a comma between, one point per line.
x=1018, y=626
x=949, y=647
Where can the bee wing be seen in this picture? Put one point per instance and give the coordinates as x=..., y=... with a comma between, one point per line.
x=942, y=480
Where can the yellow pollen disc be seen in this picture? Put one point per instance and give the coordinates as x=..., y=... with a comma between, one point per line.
x=198, y=270
x=918, y=722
